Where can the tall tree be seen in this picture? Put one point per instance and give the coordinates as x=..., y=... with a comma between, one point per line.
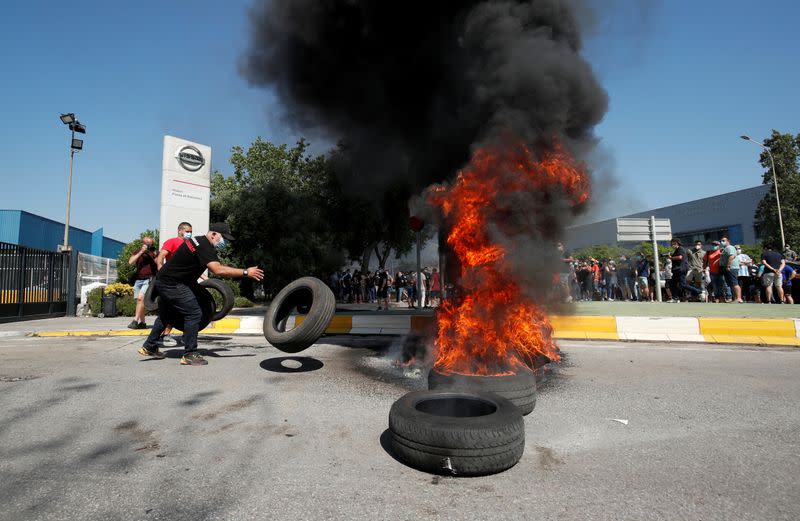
x=278, y=203
x=295, y=214
x=785, y=150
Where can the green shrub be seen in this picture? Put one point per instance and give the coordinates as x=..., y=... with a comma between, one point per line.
x=126, y=306
x=242, y=302
x=234, y=284
x=93, y=300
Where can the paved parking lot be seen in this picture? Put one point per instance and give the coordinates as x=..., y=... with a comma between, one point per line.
x=91, y=431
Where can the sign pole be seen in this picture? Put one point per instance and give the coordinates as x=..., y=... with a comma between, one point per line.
x=419, y=271
x=655, y=257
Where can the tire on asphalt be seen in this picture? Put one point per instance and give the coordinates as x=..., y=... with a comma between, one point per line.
x=456, y=433
x=519, y=388
x=207, y=306
x=227, y=296
x=304, y=293
x=150, y=298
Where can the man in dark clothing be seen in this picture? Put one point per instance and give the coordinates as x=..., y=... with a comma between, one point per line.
x=642, y=276
x=680, y=266
x=347, y=286
x=177, y=288
x=383, y=289
x=399, y=286
x=773, y=268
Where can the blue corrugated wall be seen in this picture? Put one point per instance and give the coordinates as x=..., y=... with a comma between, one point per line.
x=35, y=231
x=9, y=226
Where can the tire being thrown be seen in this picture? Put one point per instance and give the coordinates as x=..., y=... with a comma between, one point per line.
x=150, y=296
x=519, y=388
x=307, y=293
x=227, y=296
x=207, y=306
x=457, y=433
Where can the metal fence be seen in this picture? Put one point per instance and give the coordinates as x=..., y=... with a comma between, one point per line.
x=33, y=283
x=94, y=270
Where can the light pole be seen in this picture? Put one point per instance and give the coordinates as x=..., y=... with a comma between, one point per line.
x=775, y=182
x=75, y=145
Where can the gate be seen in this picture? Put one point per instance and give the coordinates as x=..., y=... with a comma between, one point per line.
x=33, y=283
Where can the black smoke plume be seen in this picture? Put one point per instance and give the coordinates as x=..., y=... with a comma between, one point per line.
x=413, y=86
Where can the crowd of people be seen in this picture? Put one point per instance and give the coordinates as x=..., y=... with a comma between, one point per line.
x=378, y=287
x=719, y=273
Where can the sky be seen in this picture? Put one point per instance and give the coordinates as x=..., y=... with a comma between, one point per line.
x=685, y=79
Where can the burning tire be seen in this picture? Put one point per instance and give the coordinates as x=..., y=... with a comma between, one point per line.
x=227, y=296
x=463, y=434
x=306, y=294
x=519, y=389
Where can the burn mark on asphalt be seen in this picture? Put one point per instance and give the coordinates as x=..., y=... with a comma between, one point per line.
x=11, y=379
x=547, y=458
x=78, y=388
x=198, y=398
x=231, y=407
x=144, y=438
x=225, y=427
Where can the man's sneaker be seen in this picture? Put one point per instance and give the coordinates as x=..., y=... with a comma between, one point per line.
x=704, y=296
x=170, y=341
x=155, y=353
x=143, y=325
x=193, y=358
x=133, y=325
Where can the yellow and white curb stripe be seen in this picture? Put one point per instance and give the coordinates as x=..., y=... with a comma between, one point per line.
x=778, y=332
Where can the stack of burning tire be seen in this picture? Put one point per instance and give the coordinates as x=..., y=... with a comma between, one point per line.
x=465, y=425
x=457, y=433
x=519, y=388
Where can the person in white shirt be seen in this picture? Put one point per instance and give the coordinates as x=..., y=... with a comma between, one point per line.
x=744, y=272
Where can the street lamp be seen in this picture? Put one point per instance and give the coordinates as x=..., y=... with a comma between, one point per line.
x=75, y=145
x=775, y=182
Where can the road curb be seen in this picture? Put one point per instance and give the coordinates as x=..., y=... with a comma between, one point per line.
x=771, y=332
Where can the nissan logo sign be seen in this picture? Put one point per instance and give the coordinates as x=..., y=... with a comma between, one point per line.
x=190, y=158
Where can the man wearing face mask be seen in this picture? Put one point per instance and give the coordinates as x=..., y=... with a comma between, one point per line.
x=744, y=273
x=680, y=267
x=729, y=269
x=176, y=284
x=695, y=275
x=170, y=246
x=168, y=249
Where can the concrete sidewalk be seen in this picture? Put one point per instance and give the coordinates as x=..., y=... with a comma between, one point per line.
x=761, y=324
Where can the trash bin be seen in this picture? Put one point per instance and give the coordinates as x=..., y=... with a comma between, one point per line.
x=109, y=306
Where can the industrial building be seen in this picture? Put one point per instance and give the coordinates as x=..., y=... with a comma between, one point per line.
x=34, y=231
x=731, y=214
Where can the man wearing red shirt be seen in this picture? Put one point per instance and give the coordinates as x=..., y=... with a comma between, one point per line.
x=711, y=261
x=167, y=251
x=170, y=246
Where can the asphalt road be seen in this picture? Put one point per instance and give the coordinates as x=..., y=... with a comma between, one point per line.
x=90, y=431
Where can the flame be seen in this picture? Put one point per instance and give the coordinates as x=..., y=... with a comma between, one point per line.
x=495, y=329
